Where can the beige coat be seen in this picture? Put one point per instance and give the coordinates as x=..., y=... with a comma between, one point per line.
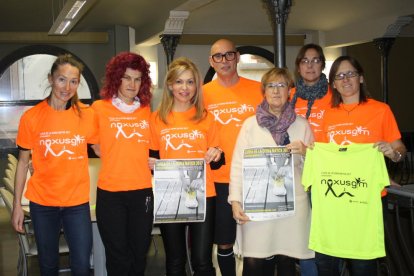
x=287, y=236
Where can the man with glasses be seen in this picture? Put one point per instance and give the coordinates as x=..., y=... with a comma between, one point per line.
x=231, y=99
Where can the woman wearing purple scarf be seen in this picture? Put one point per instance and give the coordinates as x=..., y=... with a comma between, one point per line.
x=281, y=241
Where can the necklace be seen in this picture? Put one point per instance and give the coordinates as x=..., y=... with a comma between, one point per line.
x=349, y=110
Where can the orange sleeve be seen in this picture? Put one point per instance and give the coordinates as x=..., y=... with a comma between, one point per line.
x=154, y=141
x=390, y=127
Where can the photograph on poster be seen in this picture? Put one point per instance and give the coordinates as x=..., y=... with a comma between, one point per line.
x=268, y=183
x=179, y=190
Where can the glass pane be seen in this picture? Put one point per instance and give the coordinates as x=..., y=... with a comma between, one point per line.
x=27, y=79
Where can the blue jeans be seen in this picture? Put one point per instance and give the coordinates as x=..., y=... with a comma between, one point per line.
x=308, y=267
x=77, y=228
x=330, y=266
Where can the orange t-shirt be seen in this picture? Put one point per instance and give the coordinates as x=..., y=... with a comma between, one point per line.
x=318, y=111
x=368, y=122
x=58, y=140
x=230, y=106
x=185, y=138
x=124, y=142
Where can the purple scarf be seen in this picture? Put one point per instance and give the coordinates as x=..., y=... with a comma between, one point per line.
x=277, y=126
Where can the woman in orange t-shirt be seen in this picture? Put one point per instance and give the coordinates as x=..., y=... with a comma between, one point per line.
x=311, y=95
x=56, y=132
x=356, y=118
x=182, y=128
x=124, y=200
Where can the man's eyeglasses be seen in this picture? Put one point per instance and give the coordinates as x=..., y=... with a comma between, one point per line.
x=305, y=61
x=348, y=75
x=276, y=85
x=229, y=56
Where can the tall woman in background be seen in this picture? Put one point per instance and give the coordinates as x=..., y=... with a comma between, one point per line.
x=311, y=95
x=124, y=205
x=55, y=132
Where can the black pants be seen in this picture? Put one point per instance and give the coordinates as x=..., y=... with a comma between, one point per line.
x=266, y=266
x=125, y=224
x=201, y=244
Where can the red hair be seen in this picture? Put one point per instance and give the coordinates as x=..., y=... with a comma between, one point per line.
x=115, y=70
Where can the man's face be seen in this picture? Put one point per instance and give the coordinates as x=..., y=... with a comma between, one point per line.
x=223, y=50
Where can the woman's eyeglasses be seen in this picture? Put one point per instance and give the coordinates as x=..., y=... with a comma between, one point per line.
x=276, y=85
x=348, y=75
x=305, y=61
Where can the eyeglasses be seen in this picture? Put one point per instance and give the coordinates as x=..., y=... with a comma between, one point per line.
x=276, y=85
x=348, y=75
x=305, y=61
x=61, y=81
x=229, y=56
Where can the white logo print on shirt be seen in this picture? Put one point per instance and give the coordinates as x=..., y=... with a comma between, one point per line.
x=232, y=110
x=195, y=134
x=76, y=141
x=121, y=132
x=357, y=131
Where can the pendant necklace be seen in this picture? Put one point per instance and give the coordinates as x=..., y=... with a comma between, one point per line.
x=351, y=109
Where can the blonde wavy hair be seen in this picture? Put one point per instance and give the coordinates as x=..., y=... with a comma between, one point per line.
x=175, y=69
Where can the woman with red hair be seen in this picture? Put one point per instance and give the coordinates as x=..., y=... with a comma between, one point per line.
x=124, y=205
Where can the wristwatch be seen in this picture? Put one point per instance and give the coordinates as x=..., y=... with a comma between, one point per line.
x=399, y=156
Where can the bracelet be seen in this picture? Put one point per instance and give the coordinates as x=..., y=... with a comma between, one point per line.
x=399, y=156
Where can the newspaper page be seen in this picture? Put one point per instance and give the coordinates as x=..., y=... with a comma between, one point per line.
x=268, y=183
x=179, y=190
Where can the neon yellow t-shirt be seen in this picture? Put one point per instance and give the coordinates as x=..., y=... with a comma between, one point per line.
x=346, y=200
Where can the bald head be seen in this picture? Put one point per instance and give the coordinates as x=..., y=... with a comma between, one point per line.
x=222, y=44
x=226, y=63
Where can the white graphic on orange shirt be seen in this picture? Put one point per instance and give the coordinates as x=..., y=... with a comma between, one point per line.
x=169, y=144
x=48, y=144
x=122, y=132
x=243, y=108
x=357, y=131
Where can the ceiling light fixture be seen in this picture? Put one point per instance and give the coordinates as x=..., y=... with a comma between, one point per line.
x=71, y=13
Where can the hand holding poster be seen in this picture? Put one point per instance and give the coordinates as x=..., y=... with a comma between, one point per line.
x=268, y=183
x=179, y=190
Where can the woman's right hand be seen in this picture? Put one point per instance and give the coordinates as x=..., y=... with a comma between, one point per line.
x=18, y=218
x=151, y=163
x=238, y=213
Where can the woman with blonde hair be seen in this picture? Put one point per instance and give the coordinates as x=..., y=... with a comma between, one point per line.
x=180, y=114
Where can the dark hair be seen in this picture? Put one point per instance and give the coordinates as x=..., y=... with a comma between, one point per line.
x=115, y=70
x=336, y=97
x=301, y=55
x=68, y=59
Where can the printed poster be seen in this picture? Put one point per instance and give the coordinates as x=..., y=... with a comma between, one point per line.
x=179, y=190
x=268, y=183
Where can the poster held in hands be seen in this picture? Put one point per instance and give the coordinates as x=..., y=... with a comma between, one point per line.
x=179, y=190
x=268, y=183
